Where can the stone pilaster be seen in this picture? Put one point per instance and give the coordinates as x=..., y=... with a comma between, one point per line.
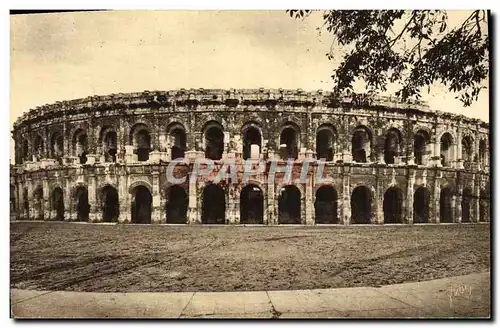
x=156, y=212
x=346, y=199
x=92, y=192
x=409, y=198
x=435, y=211
x=271, y=204
x=193, y=215
x=69, y=203
x=456, y=206
x=309, y=202
x=232, y=215
x=123, y=196
x=46, y=199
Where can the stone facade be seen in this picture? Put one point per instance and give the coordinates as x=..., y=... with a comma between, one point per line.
x=105, y=158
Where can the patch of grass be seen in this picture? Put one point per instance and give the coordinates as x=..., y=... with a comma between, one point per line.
x=123, y=258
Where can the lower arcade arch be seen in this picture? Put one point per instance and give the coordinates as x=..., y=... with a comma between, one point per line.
x=361, y=206
x=466, y=205
x=445, y=208
x=176, y=205
x=110, y=204
x=251, y=205
x=393, y=205
x=57, y=204
x=289, y=205
x=82, y=204
x=325, y=205
x=141, y=206
x=213, y=205
x=421, y=201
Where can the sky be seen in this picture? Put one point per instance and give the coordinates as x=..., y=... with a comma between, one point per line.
x=65, y=56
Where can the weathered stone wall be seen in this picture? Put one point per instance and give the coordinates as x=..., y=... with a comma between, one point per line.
x=270, y=111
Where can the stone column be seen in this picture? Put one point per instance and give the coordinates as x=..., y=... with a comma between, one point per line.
x=46, y=199
x=30, y=212
x=271, y=204
x=409, y=197
x=436, y=200
x=309, y=201
x=123, y=196
x=437, y=153
x=69, y=207
x=92, y=192
x=20, y=209
x=156, y=216
x=377, y=204
x=232, y=205
x=193, y=215
x=346, y=199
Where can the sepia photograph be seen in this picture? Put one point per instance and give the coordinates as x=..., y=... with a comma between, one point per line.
x=250, y=164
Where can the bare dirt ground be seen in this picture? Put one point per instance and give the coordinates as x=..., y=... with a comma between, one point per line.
x=125, y=258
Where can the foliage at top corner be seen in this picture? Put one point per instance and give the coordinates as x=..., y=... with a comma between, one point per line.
x=413, y=49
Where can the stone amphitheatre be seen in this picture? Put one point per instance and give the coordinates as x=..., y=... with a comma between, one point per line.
x=105, y=158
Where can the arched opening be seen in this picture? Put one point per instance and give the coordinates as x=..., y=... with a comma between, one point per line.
x=482, y=153
x=109, y=144
x=420, y=144
x=392, y=146
x=57, y=146
x=252, y=142
x=251, y=205
x=141, y=205
x=361, y=205
x=39, y=148
x=214, y=205
x=421, y=201
x=12, y=199
x=289, y=145
x=80, y=145
x=82, y=204
x=110, y=204
x=325, y=205
x=445, y=209
x=467, y=151
x=289, y=205
x=141, y=140
x=177, y=141
x=38, y=203
x=393, y=205
x=361, y=144
x=214, y=141
x=325, y=143
x=446, y=149
x=483, y=205
x=466, y=204
x=176, y=205
x=57, y=203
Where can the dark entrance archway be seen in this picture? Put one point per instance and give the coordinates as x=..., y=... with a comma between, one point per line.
x=214, y=205
x=141, y=205
x=289, y=205
x=82, y=204
x=361, y=205
x=58, y=204
x=251, y=205
x=13, y=207
x=445, y=209
x=325, y=205
x=421, y=200
x=110, y=204
x=393, y=205
x=177, y=205
x=466, y=204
